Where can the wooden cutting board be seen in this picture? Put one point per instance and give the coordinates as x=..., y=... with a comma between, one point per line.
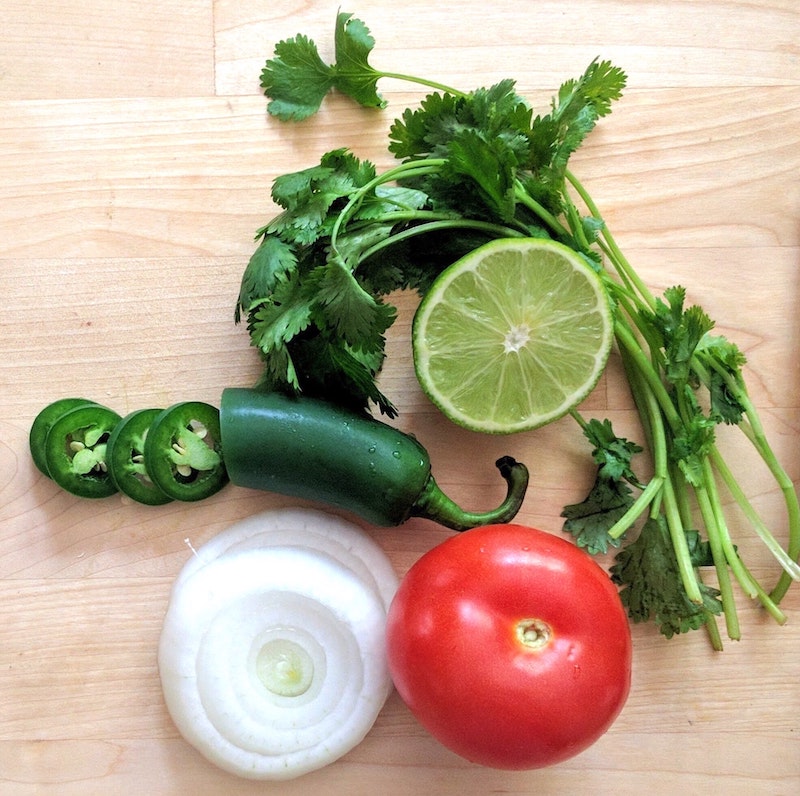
x=136, y=160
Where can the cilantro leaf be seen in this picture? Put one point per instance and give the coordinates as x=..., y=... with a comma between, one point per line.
x=482, y=137
x=554, y=137
x=699, y=549
x=494, y=112
x=681, y=332
x=352, y=73
x=591, y=228
x=342, y=304
x=271, y=262
x=352, y=243
x=329, y=369
x=610, y=497
x=692, y=444
x=490, y=165
x=726, y=403
x=728, y=354
x=297, y=79
x=600, y=85
x=274, y=320
x=613, y=454
x=424, y=130
x=589, y=521
x=310, y=196
x=647, y=570
x=413, y=263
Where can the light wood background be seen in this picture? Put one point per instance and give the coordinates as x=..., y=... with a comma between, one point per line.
x=136, y=161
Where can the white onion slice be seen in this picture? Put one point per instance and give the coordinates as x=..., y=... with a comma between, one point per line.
x=310, y=528
x=272, y=658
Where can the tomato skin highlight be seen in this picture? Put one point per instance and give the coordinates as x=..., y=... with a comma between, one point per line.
x=459, y=662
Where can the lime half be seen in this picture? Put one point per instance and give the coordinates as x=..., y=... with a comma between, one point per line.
x=512, y=336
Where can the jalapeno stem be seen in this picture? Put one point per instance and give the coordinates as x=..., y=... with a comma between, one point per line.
x=433, y=504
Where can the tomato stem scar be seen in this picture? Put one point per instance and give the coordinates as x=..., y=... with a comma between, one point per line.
x=534, y=633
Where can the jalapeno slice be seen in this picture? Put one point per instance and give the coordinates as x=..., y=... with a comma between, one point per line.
x=125, y=458
x=42, y=424
x=182, y=452
x=75, y=451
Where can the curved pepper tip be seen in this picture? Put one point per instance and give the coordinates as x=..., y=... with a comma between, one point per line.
x=433, y=504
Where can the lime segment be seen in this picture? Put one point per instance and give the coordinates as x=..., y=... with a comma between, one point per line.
x=512, y=336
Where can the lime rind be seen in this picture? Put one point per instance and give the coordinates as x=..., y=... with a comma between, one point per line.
x=512, y=336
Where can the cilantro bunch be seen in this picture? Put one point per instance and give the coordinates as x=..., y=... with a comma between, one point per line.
x=475, y=166
x=478, y=165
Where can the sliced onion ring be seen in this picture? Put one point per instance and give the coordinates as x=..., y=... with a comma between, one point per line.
x=309, y=528
x=272, y=658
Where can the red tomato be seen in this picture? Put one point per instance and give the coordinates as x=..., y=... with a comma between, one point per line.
x=510, y=646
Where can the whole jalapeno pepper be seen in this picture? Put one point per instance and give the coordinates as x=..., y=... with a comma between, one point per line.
x=125, y=458
x=182, y=451
x=75, y=450
x=308, y=448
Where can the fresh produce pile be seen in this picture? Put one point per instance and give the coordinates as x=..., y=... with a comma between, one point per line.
x=512, y=646
x=478, y=166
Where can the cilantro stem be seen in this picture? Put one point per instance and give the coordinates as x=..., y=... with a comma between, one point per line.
x=625, y=337
x=769, y=604
x=434, y=226
x=524, y=198
x=620, y=261
x=650, y=412
x=790, y=566
x=790, y=499
x=752, y=428
x=421, y=81
x=677, y=533
x=637, y=508
x=713, y=632
x=398, y=216
x=646, y=382
x=411, y=169
x=682, y=495
x=742, y=576
x=720, y=563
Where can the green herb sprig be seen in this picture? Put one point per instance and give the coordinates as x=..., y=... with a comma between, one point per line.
x=479, y=165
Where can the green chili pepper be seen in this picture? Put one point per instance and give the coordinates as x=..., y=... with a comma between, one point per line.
x=311, y=449
x=75, y=450
x=125, y=458
x=42, y=424
x=182, y=451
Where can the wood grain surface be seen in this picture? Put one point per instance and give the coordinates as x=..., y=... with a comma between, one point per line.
x=136, y=160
